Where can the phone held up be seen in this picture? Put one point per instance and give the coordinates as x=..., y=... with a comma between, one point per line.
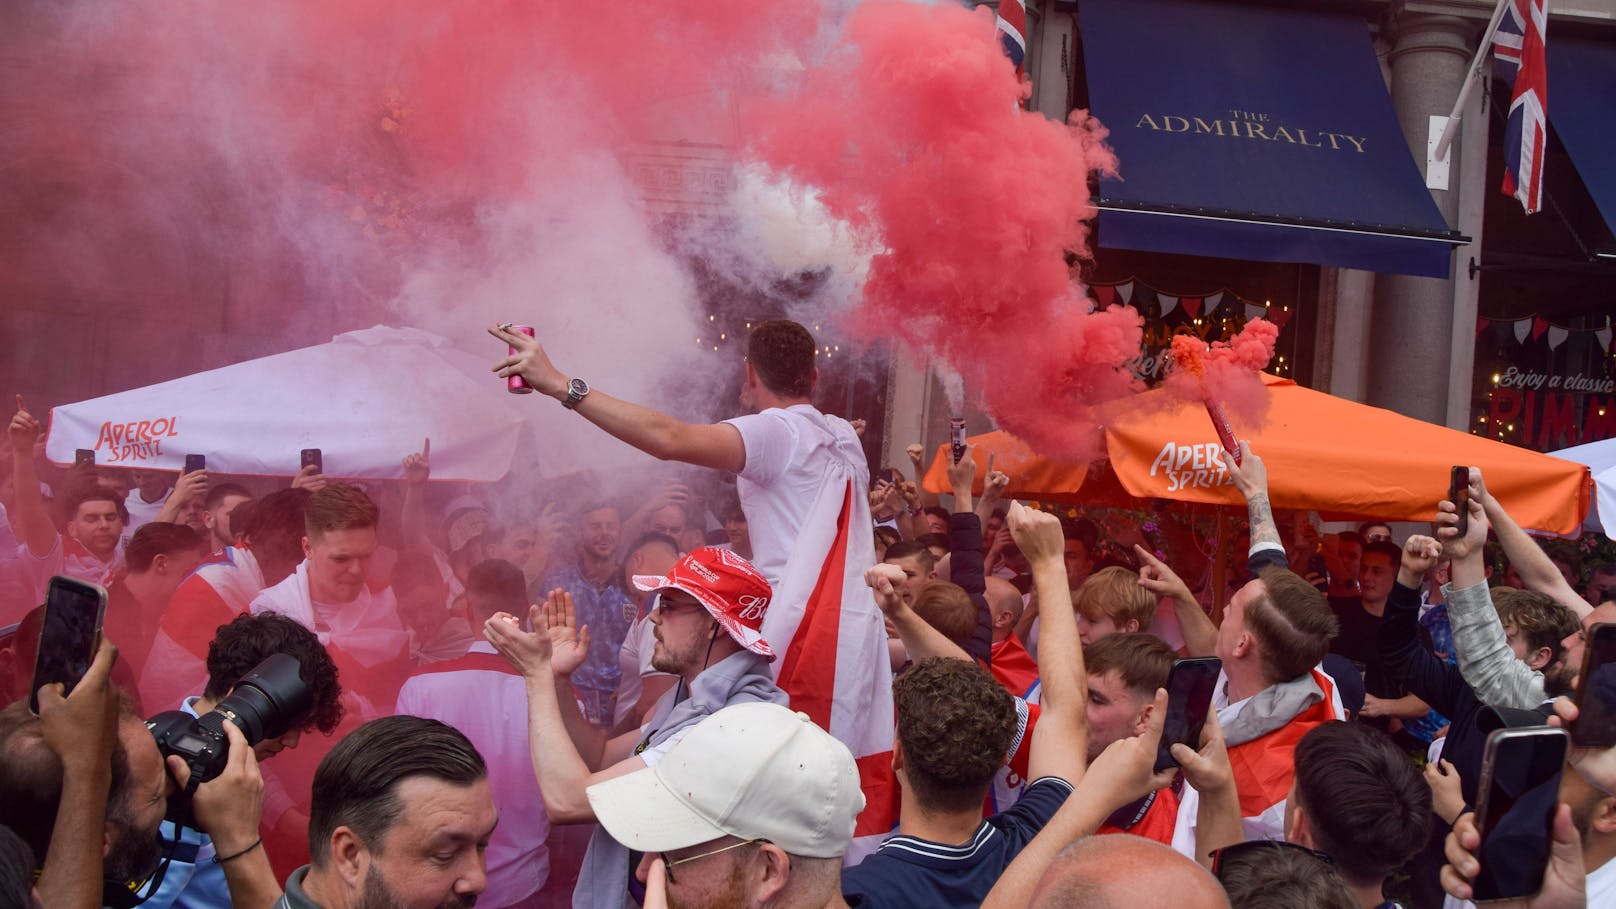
x=311, y=458
x=956, y=438
x=1459, y=495
x=1520, y=789
x=1189, y=698
x=195, y=462
x=84, y=457
x=69, y=636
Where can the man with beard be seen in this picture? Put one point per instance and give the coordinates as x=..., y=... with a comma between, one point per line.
x=592, y=580
x=36, y=782
x=711, y=606
x=401, y=815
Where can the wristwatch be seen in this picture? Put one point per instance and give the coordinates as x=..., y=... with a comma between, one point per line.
x=577, y=390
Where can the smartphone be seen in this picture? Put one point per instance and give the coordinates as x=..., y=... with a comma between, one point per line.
x=311, y=458
x=956, y=438
x=84, y=457
x=195, y=462
x=1189, y=697
x=69, y=636
x=1459, y=495
x=1520, y=787
x=1596, y=690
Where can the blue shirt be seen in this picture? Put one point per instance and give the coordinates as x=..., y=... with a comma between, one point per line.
x=193, y=880
x=608, y=612
x=909, y=871
x=1435, y=622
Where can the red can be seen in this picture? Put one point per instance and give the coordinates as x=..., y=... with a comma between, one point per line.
x=517, y=385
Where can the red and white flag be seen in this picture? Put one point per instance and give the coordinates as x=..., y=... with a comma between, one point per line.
x=1520, y=48
x=212, y=596
x=835, y=666
x=1012, y=23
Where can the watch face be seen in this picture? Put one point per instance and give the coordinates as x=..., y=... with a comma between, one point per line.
x=578, y=387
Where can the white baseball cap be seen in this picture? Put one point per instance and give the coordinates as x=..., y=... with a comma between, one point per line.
x=753, y=771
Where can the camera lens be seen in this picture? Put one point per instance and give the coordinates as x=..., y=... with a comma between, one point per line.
x=270, y=701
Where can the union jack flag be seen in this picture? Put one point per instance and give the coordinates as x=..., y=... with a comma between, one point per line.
x=1519, y=50
x=1013, y=31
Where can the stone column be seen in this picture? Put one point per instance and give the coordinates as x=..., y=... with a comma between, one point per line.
x=1411, y=328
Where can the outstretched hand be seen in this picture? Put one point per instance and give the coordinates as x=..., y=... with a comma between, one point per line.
x=418, y=465
x=569, y=644
x=23, y=431
x=1250, y=476
x=529, y=361
x=887, y=582
x=1156, y=577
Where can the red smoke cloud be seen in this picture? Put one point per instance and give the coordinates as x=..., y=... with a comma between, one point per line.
x=1225, y=373
x=910, y=131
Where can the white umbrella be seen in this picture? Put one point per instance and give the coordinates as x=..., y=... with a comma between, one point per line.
x=366, y=399
x=1601, y=460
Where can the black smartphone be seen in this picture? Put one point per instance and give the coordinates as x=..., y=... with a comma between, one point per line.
x=311, y=458
x=84, y=457
x=1520, y=788
x=70, y=635
x=195, y=462
x=1189, y=697
x=1596, y=690
x=1459, y=495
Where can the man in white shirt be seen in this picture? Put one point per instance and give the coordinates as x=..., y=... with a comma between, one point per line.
x=330, y=593
x=481, y=695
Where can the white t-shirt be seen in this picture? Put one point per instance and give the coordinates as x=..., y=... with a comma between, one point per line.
x=787, y=451
x=142, y=511
x=488, y=703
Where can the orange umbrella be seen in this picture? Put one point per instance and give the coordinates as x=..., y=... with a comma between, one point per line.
x=1326, y=454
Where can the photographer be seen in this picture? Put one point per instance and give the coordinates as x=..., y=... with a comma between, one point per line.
x=200, y=874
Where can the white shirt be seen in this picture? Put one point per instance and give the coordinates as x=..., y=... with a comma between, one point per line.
x=787, y=453
x=142, y=511
x=489, y=705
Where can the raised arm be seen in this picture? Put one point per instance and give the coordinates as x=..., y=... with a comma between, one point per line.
x=31, y=521
x=81, y=729
x=1060, y=740
x=1122, y=774
x=1250, y=476
x=412, y=515
x=1200, y=635
x=1486, y=661
x=716, y=445
x=1529, y=560
x=965, y=554
x=920, y=640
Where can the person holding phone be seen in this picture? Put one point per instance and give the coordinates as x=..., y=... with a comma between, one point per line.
x=1275, y=632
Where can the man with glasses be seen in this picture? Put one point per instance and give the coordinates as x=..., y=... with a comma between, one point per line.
x=710, y=609
x=754, y=806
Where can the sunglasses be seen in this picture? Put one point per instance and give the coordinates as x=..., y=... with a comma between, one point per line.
x=668, y=863
x=1252, y=850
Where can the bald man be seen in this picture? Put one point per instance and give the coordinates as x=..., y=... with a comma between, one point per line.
x=1011, y=664
x=1126, y=872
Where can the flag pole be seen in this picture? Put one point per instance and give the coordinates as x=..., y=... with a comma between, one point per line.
x=1440, y=153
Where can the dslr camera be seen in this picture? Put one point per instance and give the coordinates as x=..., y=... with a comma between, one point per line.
x=267, y=703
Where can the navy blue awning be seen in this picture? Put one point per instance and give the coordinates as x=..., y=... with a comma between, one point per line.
x=1582, y=86
x=1255, y=133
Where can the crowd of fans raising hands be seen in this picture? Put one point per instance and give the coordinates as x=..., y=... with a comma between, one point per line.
x=579, y=702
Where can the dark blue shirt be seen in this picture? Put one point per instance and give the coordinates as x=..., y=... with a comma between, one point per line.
x=608, y=612
x=909, y=871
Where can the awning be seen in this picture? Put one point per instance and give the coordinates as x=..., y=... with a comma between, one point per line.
x=1582, y=84
x=1255, y=133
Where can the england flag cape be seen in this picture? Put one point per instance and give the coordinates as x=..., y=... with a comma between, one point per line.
x=213, y=595
x=367, y=629
x=835, y=666
x=1262, y=733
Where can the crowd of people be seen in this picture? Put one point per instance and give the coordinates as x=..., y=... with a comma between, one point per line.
x=794, y=681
